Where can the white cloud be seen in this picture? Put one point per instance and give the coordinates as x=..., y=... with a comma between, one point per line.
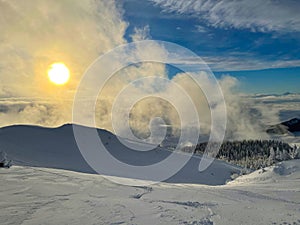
x=245, y=118
x=200, y=29
x=36, y=33
x=141, y=34
x=37, y=112
x=256, y=15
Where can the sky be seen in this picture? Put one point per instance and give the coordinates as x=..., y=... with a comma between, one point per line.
x=251, y=47
x=255, y=41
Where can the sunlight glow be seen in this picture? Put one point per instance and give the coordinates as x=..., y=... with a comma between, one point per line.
x=58, y=73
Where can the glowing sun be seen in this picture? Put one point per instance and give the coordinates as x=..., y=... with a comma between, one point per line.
x=58, y=73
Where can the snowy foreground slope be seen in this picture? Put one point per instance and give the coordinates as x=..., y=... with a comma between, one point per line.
x=31, y=195
x=42, y=187
x=57, y=148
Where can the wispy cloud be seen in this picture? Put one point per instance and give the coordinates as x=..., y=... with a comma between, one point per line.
x=200, y=29
x=256, y=15
x=238, y=64
x=233, y=62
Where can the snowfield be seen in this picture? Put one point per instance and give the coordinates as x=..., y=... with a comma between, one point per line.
x=32, y=195
x=42, y=187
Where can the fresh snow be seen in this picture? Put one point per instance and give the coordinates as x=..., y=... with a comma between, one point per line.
x=31, y=195
x=42, y=187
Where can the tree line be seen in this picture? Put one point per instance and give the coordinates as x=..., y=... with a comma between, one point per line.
x=251, y=154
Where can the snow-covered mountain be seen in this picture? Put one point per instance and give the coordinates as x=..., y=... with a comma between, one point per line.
x=57, y=148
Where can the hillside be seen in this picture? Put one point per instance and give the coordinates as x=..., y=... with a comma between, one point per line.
x=56, y=148
x=292, y=125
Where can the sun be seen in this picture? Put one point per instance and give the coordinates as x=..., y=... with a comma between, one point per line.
x=58, y=73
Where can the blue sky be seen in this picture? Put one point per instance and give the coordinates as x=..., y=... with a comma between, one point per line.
x=255, y=41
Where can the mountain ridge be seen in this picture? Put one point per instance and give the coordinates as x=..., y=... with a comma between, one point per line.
x=57, y=148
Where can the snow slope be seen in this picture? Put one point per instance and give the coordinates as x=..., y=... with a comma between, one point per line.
x=56, y=148
x=31, y=195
